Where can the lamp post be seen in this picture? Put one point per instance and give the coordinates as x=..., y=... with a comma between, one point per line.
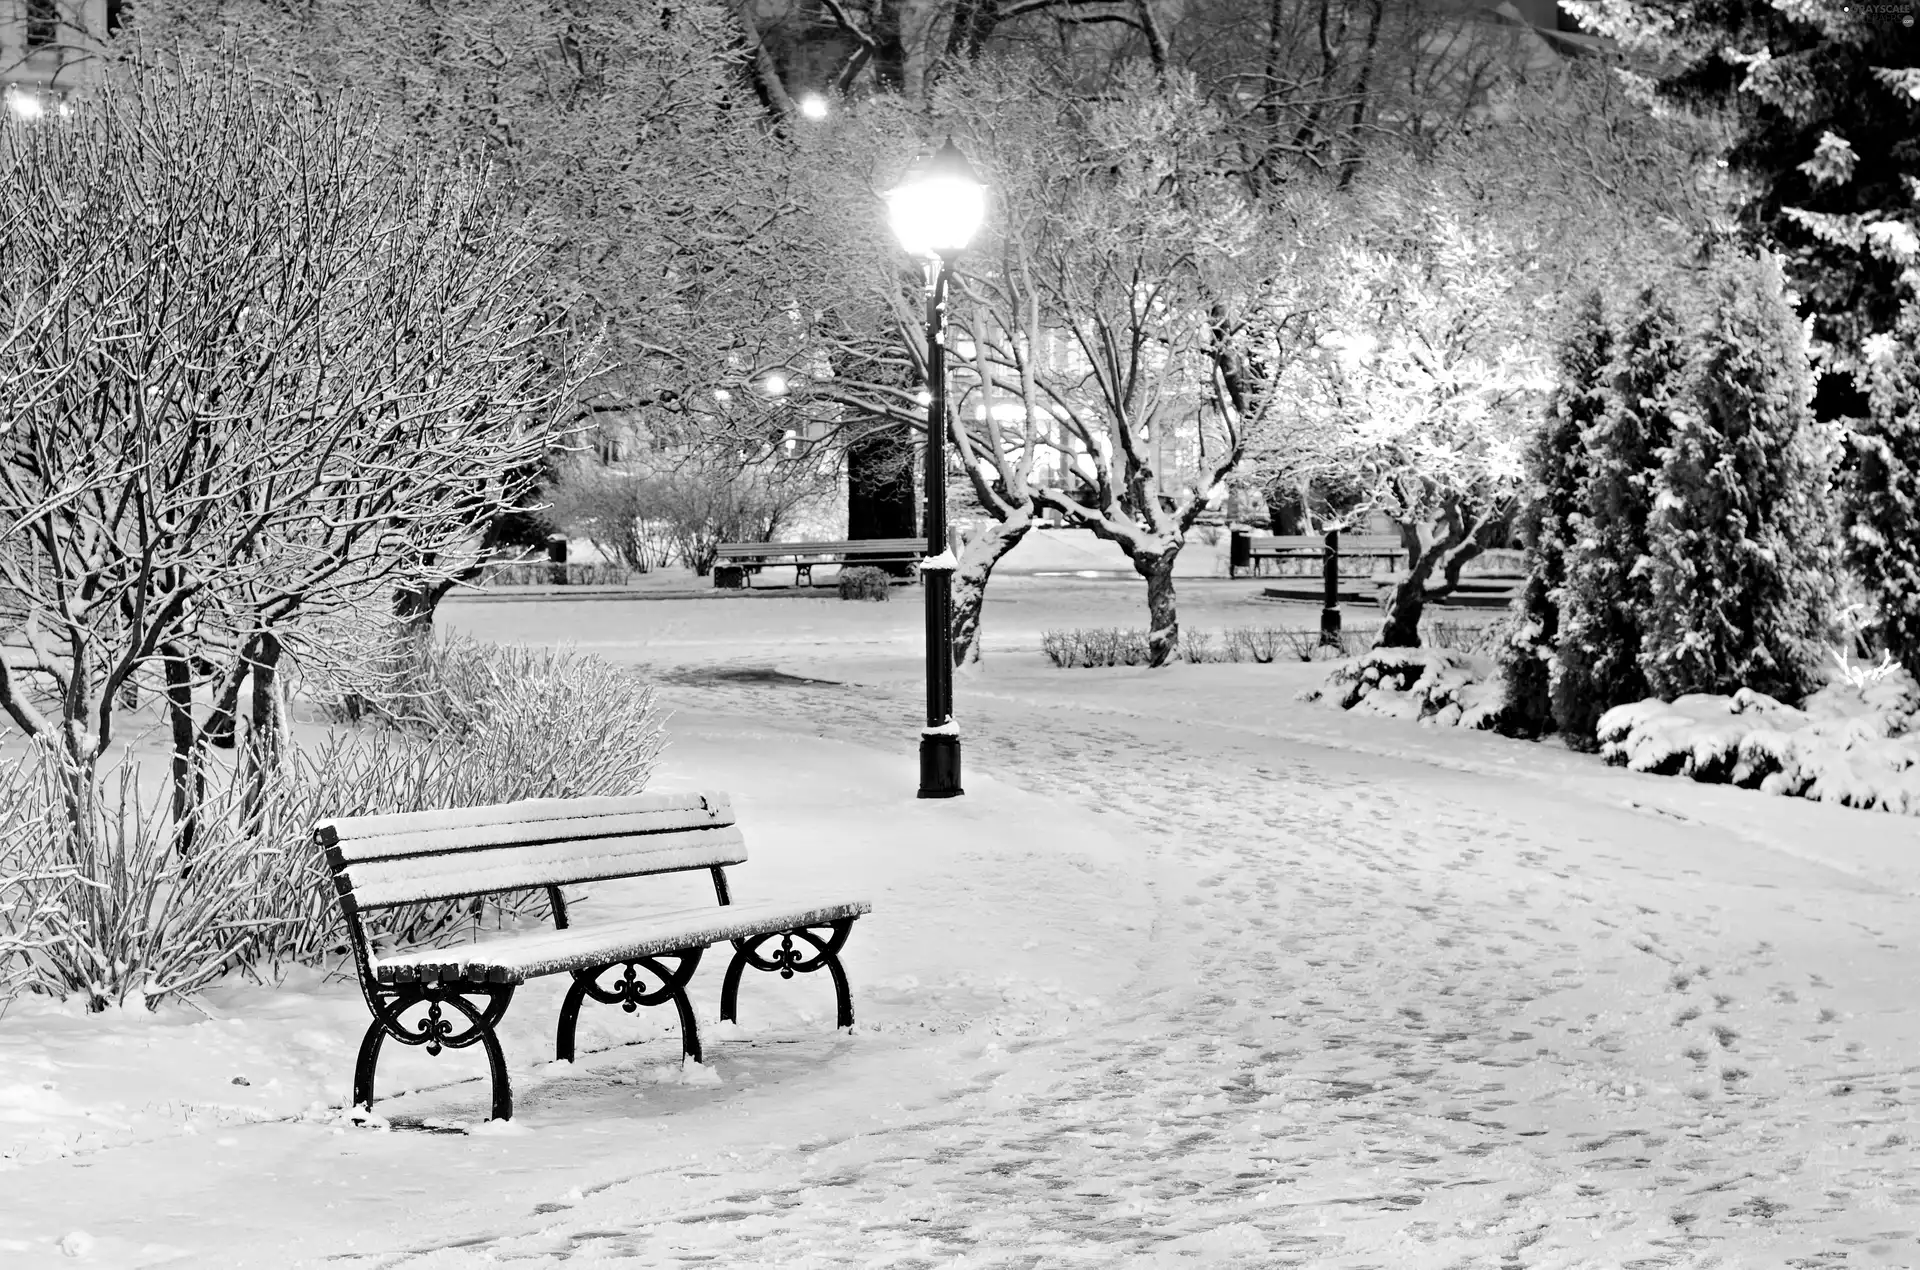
x=935, y=213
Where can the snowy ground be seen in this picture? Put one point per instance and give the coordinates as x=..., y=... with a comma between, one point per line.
x=1194, y=975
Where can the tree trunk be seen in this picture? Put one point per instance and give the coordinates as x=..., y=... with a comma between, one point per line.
x=1407, y=601
x=1163, y=634
x=1403, y=607
x=880, y=492
x=185, y=769
x=970, y=580
x=266, y=726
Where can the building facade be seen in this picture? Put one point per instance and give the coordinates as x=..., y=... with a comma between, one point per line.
x=49, y=48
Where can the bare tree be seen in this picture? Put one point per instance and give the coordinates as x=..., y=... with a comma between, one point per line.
x=1128, y=313
x=626, y=132
x=260, y=370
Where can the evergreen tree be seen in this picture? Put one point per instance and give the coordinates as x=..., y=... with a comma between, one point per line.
x=1744, y=542
x=1605, y=599
x=1556, y=472
x=1883, y=494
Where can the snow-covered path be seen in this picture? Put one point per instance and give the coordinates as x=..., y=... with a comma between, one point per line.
x=1176, y=991
x=1390, y=1016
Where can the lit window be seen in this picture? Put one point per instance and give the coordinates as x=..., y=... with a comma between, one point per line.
x=43, y=23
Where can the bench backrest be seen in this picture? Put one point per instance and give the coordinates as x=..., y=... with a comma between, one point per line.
x=1317, y=542
x=818, y=548
x=379, y=861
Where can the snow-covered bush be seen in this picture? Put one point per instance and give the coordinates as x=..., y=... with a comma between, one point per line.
x=1107, y=646
x=864, y=582
x=1882, y=500
x=109, y=908
x=1854, y=742
x=1605, y=602
x=486, y=723
x=1555, y=477
x=97, y=901
x=1442, y=687
x=1743, y=543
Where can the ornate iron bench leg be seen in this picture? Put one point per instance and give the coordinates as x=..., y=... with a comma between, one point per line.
x=437, y=1032
x=788, y=961
x=629, y=993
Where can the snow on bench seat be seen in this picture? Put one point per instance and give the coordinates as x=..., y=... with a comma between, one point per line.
x=517, y=958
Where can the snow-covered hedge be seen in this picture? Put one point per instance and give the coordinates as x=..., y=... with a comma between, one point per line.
x=1854, y=743
x=1441, y=687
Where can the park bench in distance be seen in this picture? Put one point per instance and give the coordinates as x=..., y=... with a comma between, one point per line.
x=734, y=563
x=1248, y=550
x=382, y=861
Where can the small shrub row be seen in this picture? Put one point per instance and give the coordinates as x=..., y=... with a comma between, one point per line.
x=543, y=573
x=1127, y=646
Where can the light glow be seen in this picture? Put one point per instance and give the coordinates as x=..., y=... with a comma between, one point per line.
x=940, y=206
x=813, y=106
x=25, y=105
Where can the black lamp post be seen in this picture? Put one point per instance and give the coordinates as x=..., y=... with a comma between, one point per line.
x=935, y=213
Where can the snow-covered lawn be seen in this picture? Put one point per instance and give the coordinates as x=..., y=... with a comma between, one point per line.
x=1195, y=974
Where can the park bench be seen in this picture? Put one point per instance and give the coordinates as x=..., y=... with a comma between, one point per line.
x=733, y=562
x=1249, y=550
x=461, y=992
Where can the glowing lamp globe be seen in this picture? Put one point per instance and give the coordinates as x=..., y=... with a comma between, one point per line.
x=939, y=207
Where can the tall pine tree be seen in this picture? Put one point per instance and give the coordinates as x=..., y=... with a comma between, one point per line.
x=1557, y=472
x=1744, y=542
x=1883, y=492
x=1606, y=598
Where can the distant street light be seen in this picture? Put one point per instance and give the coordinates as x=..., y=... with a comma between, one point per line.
x=25, y=103
x=935, y=213
x=814, y=106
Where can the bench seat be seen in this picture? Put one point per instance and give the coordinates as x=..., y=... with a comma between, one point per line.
x=517, y=958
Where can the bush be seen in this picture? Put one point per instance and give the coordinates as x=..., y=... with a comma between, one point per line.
x=1882, y=501
x=1854, y=744
x=112, y=910
x=97, y=901
x=1743, y=548
x=864, y=582
x=1605, y=599
x=1442, y=687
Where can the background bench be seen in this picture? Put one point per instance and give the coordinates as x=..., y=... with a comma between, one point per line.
x=734, y=562
x=1360, y=557
x=450, y=998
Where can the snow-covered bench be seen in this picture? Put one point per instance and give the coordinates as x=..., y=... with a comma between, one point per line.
x=462, y=992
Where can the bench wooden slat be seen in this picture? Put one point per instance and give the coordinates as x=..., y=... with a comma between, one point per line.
x=387, y=846
x=449, y=875
x=519, y=957
x=544, y=810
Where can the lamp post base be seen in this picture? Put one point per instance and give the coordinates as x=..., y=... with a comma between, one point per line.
x=940, y=767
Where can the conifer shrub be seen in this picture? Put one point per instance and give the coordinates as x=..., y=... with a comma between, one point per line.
x=1743, y=542
x=1882, y=498
x=864, y=582
x=1556, y=474
x=1605, y=598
